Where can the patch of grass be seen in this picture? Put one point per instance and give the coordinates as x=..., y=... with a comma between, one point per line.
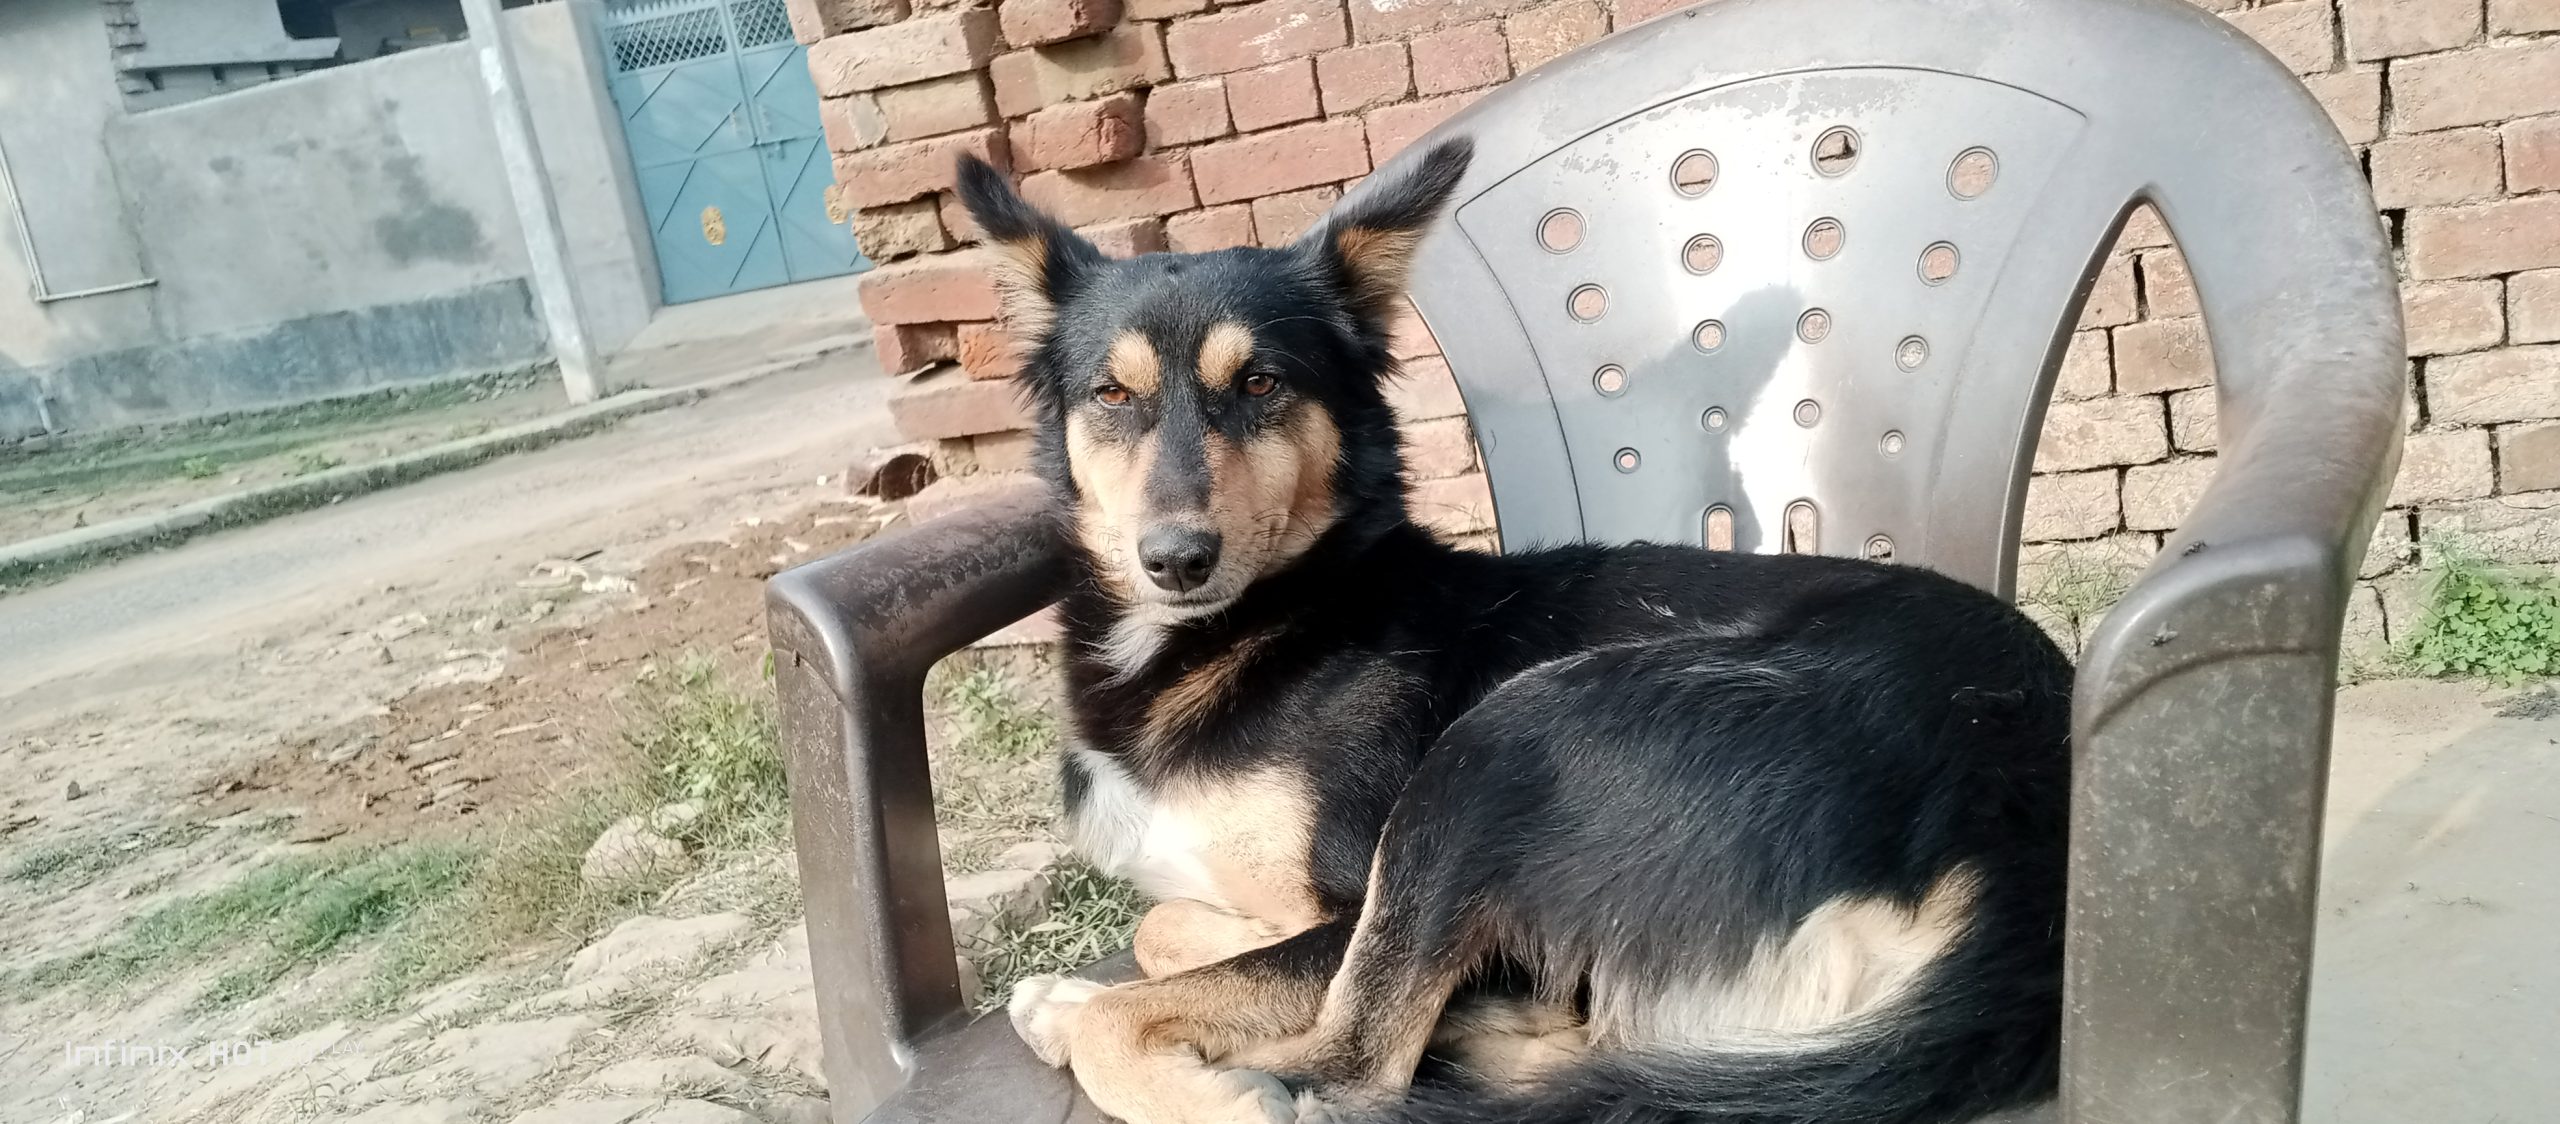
x=311, y=461
x=1090, y=916
x=2486, y=621
x=993, y=784
x=2075, y=584
x=706, y=741
x=199, y=468
x=275, y=920
x=82, y=861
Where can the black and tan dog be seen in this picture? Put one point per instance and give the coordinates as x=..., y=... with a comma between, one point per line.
x=1592, y=833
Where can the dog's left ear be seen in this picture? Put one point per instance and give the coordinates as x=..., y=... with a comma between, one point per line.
x=1368, y=244
x=1040, y=263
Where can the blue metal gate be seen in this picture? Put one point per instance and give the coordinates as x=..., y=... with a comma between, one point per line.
x=732, y=162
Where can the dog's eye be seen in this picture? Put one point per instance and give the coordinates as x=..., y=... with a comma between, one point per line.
x=1111, y=394
x=1256, y=385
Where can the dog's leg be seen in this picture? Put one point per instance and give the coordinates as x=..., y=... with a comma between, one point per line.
x=1408, y=954
x=1151, y=1052
x=1182, y=934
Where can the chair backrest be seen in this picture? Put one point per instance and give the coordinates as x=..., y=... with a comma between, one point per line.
x=1798, y=274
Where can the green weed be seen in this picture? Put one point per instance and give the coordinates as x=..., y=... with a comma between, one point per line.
x=1090, y=916
x=199, y=468
x=311, y=461
x=2486, y=621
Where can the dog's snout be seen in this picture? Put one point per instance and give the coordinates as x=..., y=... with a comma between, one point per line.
x=1178, y=558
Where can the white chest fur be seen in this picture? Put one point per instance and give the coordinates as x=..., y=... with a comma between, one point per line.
x=1240, y=846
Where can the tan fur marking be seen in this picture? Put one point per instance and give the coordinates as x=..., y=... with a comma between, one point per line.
x=1510, y=1042
x=1187, y=704
x=1111, y=481
x=1250, y=846
x=1847, y=959
x=1021, y=272
x=1223, y=351
x=1182, y=935
x=1271, y=498
x=1380, y=260
x=1148, y=1052
x=1133, y=363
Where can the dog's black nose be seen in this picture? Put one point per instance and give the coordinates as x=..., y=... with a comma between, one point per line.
x=1178, y=558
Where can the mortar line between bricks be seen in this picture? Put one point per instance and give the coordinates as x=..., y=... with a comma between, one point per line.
x=54, y=557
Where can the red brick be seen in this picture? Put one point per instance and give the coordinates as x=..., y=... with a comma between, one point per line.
x=852, y=122
x=1149, y=185
x=1632, y=12
x=920, y=48
x=895, y=173
x=1438, y=448
x=812, y=20
x=1186, y=112
x=957, y=220
x=2158, y=355
x=2475, y=86
x=986, y=351
x=1277, y=219
x=2448, y=465
x=1281, y=160
x=2303, y=34
x=1004, y=452
x=2529, y=457
x=2354, y=101
x=907, y=347
x=2453, y=166
x=1255, y=35
x=2518, y=17
x=2378, y=29
x=2167, y=290
x=1407, y=337
x=901, y=229
x=1454, y=506
x=2533, y=306
x=1356, y=78
x=1425, y=390
x=936, y=106
x=1460, y=58
x=1079, y=134
x=1129, y=58
x=1272, y=95
x=930, y=289
x=1160, y=9
x=1392, y=127
x=1030, y=23
x=2533, y=154
x=1127, y=238
x=1373, y=22
x=2112, y=298
x=1212, y=228
x=2508, y=384
x=1540, y=34
x=952, y=405
x=2484, y=238
x=2450, y=316
x=2087, y=370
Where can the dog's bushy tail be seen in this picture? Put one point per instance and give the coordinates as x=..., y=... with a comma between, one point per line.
x=1976, y=1036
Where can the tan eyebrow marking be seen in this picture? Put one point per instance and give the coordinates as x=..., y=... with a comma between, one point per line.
x=1133, y=363
x=1223, y=352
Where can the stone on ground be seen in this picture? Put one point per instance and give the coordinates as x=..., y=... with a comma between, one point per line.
x=629, y=851
x=648, y=942
x=781, y=1037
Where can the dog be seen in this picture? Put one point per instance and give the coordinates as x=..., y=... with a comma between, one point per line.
x=1585, y=833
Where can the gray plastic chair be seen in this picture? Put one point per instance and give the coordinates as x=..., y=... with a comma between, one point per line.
x=1874, y=387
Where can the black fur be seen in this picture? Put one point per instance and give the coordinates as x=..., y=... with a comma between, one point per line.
x=1664, y=753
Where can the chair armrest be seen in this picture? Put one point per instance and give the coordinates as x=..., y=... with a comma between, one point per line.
x=2201, y=726
x=853, y=635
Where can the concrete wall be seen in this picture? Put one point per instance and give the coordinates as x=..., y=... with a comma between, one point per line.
x=325, y=234
x=364, y=25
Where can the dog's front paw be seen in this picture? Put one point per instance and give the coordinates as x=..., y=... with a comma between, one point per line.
x=1044, y=1011
x=1250, y=1096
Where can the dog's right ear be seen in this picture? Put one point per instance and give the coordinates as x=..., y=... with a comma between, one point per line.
x=1039, y=262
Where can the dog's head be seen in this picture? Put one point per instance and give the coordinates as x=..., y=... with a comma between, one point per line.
x=1210, y=417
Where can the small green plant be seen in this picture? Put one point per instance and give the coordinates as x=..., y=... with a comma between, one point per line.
x=2486, y=621
x=314, y=461
x=292, y=913
x=1090, y=916
x=199, y=468
x=714, y=745
x=996, y=724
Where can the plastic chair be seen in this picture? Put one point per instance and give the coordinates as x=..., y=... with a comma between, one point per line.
x=1800, y=273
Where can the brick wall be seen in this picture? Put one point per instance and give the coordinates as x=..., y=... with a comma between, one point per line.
x=1194, y=124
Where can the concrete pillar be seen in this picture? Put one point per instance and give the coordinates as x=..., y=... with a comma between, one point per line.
x=536, y=210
